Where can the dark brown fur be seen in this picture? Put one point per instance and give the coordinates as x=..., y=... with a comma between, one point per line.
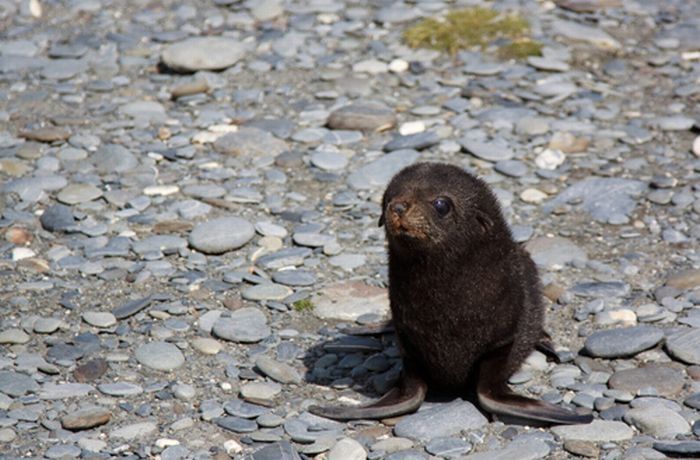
x=465, y=298
x=466, y=288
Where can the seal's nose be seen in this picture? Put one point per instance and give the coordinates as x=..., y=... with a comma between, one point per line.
x=399, y=208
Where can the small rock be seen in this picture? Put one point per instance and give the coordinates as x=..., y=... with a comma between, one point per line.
x=363, y=116
x=659, y=422
x=348, y=300
x=624, y=342
x=347, y=449
x=280, y=372
x=596, y=431
x=203, y=53
x=246, y=325
x=444, y=419
x=581, y=448
x=685, y=345
x=221, y=235
x=134, y=431
x=555, y=252
x=161, y=356
x=666, y=381
x=14, y=336
x=85, y=419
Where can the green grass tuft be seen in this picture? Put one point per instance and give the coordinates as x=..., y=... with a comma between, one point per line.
x=474, y=27
x=303, y=305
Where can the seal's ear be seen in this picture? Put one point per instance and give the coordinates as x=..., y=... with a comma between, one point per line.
x=484, y=220
x=381, y=220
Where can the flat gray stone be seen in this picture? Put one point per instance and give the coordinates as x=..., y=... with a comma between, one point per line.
x=685, y=345
x=607, y=200
x=250, y=142
x=51, y=391
x=57, y=218
x=555, y=252
x=246, y=325
x=203, y=53
x=161, y=356
x=580, y=32
x=14, y=336
x=376, y=174
x=16, y=384
x=134, y=431
x=622, y=342
x=101, y=319
x=665, y=380
x=78, y=193
x=495, y=150
x=266, y=291
x=659, y=422
x=529, y=449
x=120, y=389
x=280, y=372
x=283, y=450
x=294, y=277
x=348, y=300
x=363, y=116
x=145, y=111
x=347, y=449
x=596, y=431
x=445, y=419
x=221, y=235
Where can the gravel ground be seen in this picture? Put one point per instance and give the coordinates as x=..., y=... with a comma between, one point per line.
x=189, y=194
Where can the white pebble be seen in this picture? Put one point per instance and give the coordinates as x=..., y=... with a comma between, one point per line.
x=398, y=66
x=550, y=159
x=22, y=253
x=165, y=442
x=696, y=146
x=162, y=190
x=232, y=447
x=532, y=195
x=412, y=127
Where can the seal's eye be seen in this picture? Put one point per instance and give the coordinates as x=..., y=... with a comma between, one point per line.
x=443, y=206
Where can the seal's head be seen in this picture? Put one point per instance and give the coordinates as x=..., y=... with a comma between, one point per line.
x=438, y=206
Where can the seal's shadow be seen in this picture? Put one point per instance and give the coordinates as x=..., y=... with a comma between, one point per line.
x=365, y=365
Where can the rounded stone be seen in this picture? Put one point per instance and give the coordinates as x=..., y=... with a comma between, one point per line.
x=78, y=193
x=294, y=277
x=207, y=345
x=347, y=449
x=247, y=325
x=685, y=345
x=266, y=291
x=203, y=53
x=101, y=319
x=221, y=235
x=281, y=372
x=364, y=116
x=619, y=343
x=161, y=356
x=665, y=380
x=14, y=336
x=263, y=391
x=84, y=419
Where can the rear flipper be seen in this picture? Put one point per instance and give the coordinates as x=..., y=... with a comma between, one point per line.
x=496, y=397
x=406, y=397
x=504, y=402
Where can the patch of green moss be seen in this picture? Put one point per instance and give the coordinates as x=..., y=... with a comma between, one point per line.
x=303, y=305
x=473, y=27
x=520, y=49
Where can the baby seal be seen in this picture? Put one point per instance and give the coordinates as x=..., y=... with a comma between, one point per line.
x=465, y=298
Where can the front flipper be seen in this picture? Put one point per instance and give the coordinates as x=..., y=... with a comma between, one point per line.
x=496, y=397
x=406, y=397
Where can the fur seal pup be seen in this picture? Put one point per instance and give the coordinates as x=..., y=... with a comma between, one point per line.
x=465, y=298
